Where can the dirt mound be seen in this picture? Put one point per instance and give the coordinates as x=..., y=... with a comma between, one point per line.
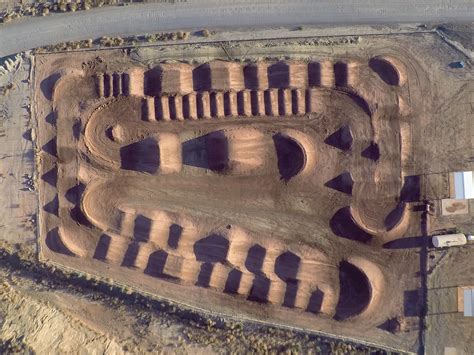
x=227, y=89
x=226, y=259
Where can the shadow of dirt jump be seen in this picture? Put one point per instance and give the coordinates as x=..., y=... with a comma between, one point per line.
x=372, y=152
x=291, y=157
x=47, y=85
x=342, y=183
x=343, y=225
x=142, y=156
x=394, y=217
x=385, y=71
x=405, y=243
x=54, y=243
x=260, y=289
x=212, y=249
x=286, y=268
x=156, y=264
x=255, y=258
x=341, y=139
x=210, y=151
x=355, y=291
x=315, y=301
x=233, y=281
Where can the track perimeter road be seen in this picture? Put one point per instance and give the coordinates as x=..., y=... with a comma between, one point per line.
x=170, y=15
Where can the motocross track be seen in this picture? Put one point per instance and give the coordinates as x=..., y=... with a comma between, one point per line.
x=263, y=189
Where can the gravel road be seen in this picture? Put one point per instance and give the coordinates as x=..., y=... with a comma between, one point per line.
x=197, y=14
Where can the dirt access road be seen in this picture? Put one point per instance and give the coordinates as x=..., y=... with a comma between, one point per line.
x=193, y=14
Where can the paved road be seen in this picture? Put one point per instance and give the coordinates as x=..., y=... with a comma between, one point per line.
x=198, y=14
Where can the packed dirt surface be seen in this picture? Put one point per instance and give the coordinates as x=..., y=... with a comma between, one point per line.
x=275, y=190
x=17, y=157
x=446, y=327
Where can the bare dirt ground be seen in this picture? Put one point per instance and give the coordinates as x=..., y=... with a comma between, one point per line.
x=446, y=327
x=269, y=190
x=17, y=166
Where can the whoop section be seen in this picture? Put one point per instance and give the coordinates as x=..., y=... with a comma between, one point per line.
x=225, y=259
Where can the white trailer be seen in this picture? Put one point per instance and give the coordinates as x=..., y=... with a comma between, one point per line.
x=449, y=240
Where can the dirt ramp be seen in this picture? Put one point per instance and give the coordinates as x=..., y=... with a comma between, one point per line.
x=134, y=80
x=323, y=300
x=385, y=222
x=117, y=133
x=218, y=76
x=226, y=259
x=157, y=243
x=118, y=84
x=249, y=150
x=111, y=247
x=229, y=89
x=241, y=151
x=169, y=79
x=256, y=76
x=170, y=153
x=290, y=75
x=346, y=73
x=327, y=75
x=239, y=243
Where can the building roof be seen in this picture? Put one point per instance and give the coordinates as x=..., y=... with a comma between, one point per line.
x=464, y=185
x=469, y=302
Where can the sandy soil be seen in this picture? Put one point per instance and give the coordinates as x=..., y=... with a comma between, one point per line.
x=17, y=166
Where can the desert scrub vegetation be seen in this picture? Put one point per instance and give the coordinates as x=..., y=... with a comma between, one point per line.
x=5, y=90
x=164, y=36
x=43, y=8
x=106, y=41
x=110, y=41
x=14, y=346
x=65, y=46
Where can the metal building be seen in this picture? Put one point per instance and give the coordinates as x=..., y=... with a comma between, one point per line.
x=463, y=185
x=469, y=302
x=466, y=300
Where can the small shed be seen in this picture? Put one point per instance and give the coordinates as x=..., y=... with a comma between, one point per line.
x=463, y=185
x=466, y=301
